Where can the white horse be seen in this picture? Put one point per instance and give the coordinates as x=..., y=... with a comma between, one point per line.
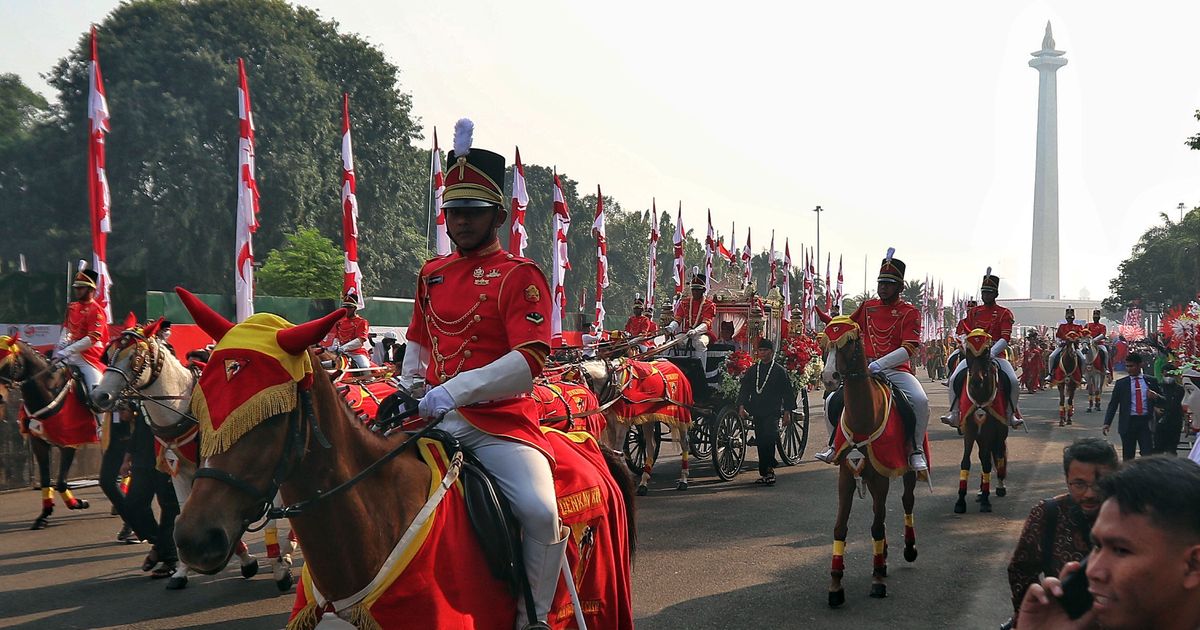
x=1095, y=371
x=142, y=370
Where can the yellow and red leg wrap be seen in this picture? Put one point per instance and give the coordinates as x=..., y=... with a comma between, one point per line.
x=68, y=499
x=985, y=482
x=910, y=532
x=125, y=484
x=879, y=553
x=47, y=498
x=839, y=563
x=963, y=475
x=271, y=538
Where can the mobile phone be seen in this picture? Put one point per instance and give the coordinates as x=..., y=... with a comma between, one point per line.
x=1076, y=599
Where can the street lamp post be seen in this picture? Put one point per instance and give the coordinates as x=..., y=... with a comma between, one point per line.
x=1181, y=212
x=819, y=210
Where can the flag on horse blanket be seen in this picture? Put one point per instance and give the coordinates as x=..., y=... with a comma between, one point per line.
x=653, y=392
x=565, y=407
x=888, y=447
x=72, y=426
x=441, y=579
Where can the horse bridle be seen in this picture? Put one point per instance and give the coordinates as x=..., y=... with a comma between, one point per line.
x=131, y=390
x=854, y=358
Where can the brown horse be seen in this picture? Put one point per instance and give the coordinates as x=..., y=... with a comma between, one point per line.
x=1067, y=376
x=354, y=497
x=868, y=406
x=54, y=416
x=984, y=421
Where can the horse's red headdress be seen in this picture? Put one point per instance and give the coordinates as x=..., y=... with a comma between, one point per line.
x=978, y=342
x=841, y=330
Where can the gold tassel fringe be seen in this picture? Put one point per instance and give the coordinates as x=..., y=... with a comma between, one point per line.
x=360, y=617
x=269, y=402
x=306, y=619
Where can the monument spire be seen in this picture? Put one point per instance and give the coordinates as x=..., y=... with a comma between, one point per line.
x=1043, y=268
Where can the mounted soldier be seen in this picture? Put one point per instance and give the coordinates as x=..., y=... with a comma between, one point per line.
x=84, y=331
x=639, y=323
x=1067, y=325
x=480, y=333
x=349, y=336
x=997, y=321
x=892, y=329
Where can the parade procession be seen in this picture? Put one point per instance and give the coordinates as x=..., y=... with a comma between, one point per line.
x=258, y=375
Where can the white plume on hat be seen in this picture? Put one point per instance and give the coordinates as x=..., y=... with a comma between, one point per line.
x=988, y=272
x=83, y=264
x=464, y=132
x=696, y=270
x=891, y=252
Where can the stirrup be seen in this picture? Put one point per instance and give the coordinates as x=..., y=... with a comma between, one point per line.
x=826, y=455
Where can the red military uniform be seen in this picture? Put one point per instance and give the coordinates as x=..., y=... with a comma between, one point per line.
x=996, y=321
x=1096, y=329
x=87, y=319
x=348, y=329
x=472, y=310
x=962, y=329
x=690, y=313
x=640, y=325
x=887, y=327
x=1066, y=327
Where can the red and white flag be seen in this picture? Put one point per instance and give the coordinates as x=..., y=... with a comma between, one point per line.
x=518, y=240
x=710, y=248
x=771, y=259
x=560, y=264
x=839, y=295
x=441, y=239
x=746, y=258
x=352, y=281
x=680, y=266
x=787, y=287
x=652, y=255
x=99, y=200
x=601, y=259
x=247, y=202
x=810, y=304
x=828, y=288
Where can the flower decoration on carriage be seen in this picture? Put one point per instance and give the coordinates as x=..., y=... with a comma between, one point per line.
x=798, y=352
x=738, y=362
x=1181, y=325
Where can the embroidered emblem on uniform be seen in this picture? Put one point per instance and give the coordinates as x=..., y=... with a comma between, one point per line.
x=536, y=318
x=232, y=367
x=494, y=273
x=532, y=294
x=479, y=279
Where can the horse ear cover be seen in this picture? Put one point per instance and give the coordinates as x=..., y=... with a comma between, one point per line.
x=297, y=339
x=210, y=321
x=152, y=329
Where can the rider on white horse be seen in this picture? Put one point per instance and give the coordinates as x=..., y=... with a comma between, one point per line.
x=1065, y=326
x=1099, y=333
x=997, y=321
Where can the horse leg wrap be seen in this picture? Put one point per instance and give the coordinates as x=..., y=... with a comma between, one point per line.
x=47, y=500
x=963, y=475
x=242, y=550
x=125, y=484
x=879, y=557
x=838, y=566
x=910, y=531
x=271, y=538
x=985, y=483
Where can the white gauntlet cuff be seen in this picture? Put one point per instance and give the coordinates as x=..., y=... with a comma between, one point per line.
x=507, y=376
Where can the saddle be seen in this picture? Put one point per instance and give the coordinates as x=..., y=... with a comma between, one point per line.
x=1006, y=386
x=836, y=403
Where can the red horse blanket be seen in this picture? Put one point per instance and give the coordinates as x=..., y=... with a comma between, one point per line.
x=887, y=448
x=653, y=392
x=565, y=407
x=996, y=409
x=73, y=425
x=364, y=399
x=441, y=581
x=1061, y=375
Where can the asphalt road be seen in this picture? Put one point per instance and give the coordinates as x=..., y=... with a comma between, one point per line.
x=720, y=555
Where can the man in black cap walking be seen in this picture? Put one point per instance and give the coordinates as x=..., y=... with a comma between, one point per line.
x=765, y=392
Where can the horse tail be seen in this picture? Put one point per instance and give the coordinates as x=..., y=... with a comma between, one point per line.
x=620, y=474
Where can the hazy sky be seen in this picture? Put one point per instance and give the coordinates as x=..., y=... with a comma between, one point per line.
x=913, y=124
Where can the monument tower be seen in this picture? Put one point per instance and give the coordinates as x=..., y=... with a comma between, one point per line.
x=1043, y=268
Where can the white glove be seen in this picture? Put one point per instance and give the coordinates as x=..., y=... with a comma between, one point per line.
x=73, y=349
x=999, y=347
x=413, y=367
x=673, y=328
x=353, y=344
x=895, y=358
x=436, y=403
x=698, y=330
x=874, y=367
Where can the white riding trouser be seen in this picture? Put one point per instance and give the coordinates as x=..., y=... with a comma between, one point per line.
x=524, y=476
x=1014, y=393
x=359, y=361
x=699, y=346
x=911, y=387
x=91, y=374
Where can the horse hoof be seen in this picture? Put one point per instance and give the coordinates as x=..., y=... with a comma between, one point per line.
x=837, y=598
x=985, y=507
x=682, y=485
x=960, y=507
x=40, y=522
x=978, y=497
x=1061, y=423
x=642, y=490
x=1089, y=410
x=910, y=554
x=177, y=583
x=879, y=591
x=250, y=569
x=285, y=583
x=1001, y=491
x=79, y=504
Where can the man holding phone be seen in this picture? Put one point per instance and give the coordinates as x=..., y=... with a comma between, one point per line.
x=1144, y=568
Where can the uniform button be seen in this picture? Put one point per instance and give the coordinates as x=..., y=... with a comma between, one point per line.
x=482, y=297
x=477, y=318
x=467, y=354
x=474, y=338
x=509, y=256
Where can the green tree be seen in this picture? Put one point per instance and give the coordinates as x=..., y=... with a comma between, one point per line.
x=1163, y=269
x=307, y=265
x=20, y=110
x=170, y=72
x=912, y=291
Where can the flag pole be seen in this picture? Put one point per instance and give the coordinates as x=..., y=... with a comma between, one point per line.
x=429, y=210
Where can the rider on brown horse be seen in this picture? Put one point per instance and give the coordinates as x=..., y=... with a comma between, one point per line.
x=479, y=334
x=1065, y=326
x=997, y=321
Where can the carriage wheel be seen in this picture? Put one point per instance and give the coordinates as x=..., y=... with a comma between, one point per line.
x=700, y=437
x=635, y=448
x=793, y=439
x=728, y=443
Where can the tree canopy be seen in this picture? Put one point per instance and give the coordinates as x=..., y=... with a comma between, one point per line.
x=1163, y=270
x=307, y=265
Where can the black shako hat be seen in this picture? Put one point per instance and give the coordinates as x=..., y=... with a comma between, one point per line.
x=474, y=177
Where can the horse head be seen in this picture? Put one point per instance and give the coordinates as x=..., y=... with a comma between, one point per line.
x=981, y=368
x=253, y=428
x=1068, y=357
x=132, y=358
x=597, y=375
x=845, y=356
x=27, y=369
